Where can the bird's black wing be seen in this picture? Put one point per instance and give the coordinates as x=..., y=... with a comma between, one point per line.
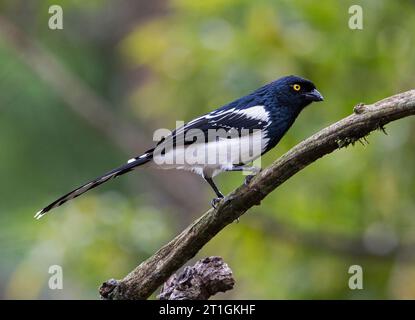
x=228, y=123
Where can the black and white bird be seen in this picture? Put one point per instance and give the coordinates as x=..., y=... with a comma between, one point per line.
x=226, y=139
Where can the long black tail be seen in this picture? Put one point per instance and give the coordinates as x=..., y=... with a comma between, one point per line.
x=131, y=165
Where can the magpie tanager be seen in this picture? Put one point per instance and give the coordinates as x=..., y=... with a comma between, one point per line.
x=226, y=139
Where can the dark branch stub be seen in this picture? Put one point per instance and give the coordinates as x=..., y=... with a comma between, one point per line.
x=199, y=282
x=106, y=288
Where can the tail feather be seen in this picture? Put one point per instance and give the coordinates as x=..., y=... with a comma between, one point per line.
x=131, y=165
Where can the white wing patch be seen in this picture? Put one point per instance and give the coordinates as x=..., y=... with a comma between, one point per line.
x=255, y=112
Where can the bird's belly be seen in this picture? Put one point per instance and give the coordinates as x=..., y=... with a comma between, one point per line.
x=214, y=156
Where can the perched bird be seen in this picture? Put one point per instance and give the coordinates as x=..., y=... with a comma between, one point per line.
x=226, y=139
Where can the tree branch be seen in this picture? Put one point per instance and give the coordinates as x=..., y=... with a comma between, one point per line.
x=150, y=274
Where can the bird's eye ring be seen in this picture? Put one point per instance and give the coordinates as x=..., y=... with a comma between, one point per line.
x=296, y=87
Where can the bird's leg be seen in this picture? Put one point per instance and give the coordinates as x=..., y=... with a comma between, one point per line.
x=214, y=201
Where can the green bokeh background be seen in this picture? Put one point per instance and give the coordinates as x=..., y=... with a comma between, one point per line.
x=156, y=62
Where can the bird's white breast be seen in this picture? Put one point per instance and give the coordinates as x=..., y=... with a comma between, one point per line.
x=214, y=156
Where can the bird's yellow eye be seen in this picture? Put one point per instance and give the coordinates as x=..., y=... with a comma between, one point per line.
x=296, y=87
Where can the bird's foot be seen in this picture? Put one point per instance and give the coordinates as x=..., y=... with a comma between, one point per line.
x=215, y=201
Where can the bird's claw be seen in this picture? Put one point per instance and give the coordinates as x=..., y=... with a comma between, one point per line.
x=215, y=202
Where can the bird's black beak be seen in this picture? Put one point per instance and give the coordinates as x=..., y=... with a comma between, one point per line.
x=314, y=95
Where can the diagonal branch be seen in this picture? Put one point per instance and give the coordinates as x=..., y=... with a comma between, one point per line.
x=150, y=274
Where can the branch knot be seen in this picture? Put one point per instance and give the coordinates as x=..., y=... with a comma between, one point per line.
x=359, y=108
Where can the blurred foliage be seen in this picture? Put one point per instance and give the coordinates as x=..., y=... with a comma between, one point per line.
x=190, y=58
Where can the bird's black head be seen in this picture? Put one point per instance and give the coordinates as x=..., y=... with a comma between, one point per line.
x=294, y=92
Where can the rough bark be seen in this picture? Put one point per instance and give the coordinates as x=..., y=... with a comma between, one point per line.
x=150, y=274
x=199, y=282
